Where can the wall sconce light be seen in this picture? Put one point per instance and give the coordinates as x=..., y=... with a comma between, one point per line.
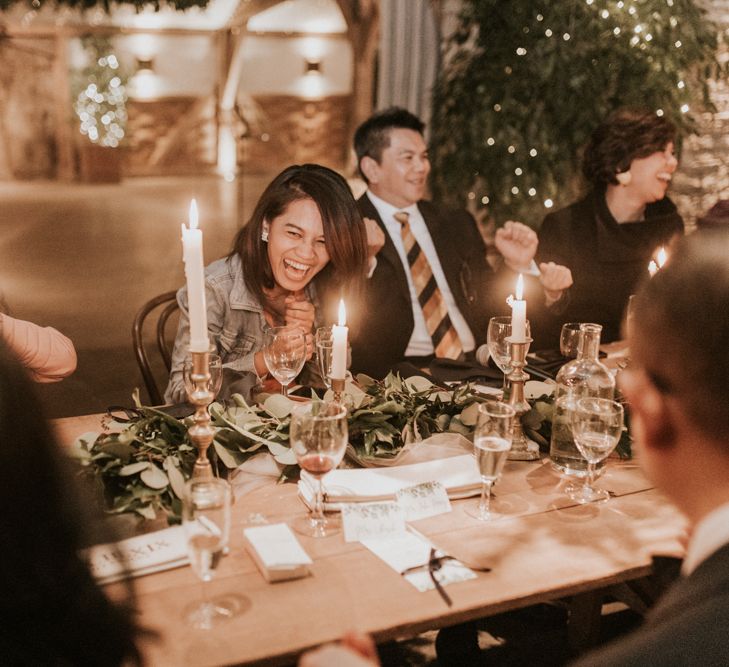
x=312, y=67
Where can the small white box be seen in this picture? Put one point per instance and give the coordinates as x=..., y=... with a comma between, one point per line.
x=277, y=552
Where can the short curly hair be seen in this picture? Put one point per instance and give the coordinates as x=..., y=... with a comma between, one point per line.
x=627, y=134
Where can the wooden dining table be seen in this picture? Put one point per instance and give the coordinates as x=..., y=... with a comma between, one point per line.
x=542, y=547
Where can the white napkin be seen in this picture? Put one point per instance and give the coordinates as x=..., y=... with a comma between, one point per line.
x=457, y=474
x=139, y=555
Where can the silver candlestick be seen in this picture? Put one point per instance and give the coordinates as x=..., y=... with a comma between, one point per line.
x=522, y=449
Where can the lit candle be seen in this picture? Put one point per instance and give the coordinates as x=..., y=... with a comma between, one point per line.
x=192, y=255
x=339, y=345
x=518, y=313
x=657, y=263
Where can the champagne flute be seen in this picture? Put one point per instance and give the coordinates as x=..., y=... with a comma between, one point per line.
x=497, y=339
x=596, y=424
x=491, y=445
x=284, y=353
x=569, y=339
x=215, y=368
x=324, y=344
x=206, y=510
x=318, y=435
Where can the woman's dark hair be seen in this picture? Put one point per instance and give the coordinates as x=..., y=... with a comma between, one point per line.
x=344, y=232
x=53, y=611
x=627, y=134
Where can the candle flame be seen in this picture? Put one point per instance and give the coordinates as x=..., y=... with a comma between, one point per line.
x=342, y=313
x=520, y=287
x=661, y=257
x=193, y=214
x=652, y=268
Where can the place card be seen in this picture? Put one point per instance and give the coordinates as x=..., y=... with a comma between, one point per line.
x=423, y=500
x=139, y=555
x=363, y=521
x=411, y=550
x=277, y=552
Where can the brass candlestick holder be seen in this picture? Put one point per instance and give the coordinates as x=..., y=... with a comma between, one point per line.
x=201, y=432
x=338, y=390
x=522, y=449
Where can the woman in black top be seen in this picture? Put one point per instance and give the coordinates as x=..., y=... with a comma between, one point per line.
x=608, y=238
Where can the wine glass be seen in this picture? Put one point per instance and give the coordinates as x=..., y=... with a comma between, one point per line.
x=284, y=353
x=596, y=424
x=206, y=520
x=569, y=339
x=497, y=335
x=215, y=367
x=318, y=435
x=491, y=445
x=324, y=344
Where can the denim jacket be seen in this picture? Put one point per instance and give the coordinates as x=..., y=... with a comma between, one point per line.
x=236, y=325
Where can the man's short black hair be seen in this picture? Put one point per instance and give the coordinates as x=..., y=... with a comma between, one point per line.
x=373, y=136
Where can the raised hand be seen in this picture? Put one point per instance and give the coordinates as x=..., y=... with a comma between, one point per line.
x=517, y=243
x=555, y=278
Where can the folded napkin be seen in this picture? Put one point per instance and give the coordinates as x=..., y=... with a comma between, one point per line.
x=139, y=555
x=457, y=474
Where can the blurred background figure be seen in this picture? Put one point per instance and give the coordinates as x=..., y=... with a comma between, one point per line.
x=608, y=238
x=715, y=217
x=53, y=611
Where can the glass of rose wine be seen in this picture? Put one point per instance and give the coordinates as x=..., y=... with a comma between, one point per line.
x=318, y=435
x=491, y=445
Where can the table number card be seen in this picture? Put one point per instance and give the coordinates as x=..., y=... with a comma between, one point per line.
x=423, y=500
x=363, y=521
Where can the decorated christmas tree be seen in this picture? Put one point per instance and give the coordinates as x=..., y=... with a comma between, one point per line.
x=525, y=82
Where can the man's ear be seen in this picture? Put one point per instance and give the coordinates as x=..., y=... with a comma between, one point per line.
x=370, y=168
x=651, y=416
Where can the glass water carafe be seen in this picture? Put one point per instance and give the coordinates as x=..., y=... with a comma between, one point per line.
x=581, y=377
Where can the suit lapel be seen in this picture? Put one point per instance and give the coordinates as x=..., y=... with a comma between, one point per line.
x=388, y=253
x=709, y=579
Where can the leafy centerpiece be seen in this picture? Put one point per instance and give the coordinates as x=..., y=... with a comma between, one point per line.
x=143, y=464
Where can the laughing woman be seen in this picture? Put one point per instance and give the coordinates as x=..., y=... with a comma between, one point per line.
x=608, y=238
x=303, y=248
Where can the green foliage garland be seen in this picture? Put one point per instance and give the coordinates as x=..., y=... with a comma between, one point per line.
x=526, y=81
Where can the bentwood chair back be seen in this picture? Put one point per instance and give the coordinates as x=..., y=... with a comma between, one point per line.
x=158, y=312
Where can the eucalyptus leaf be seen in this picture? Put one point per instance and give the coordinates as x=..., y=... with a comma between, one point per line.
x=147, y=511
x=154, y=478
x=277, y=405
x=225, y=456
x=418, y=383
x=134, y=468
x=177, y=480
x=469, y=416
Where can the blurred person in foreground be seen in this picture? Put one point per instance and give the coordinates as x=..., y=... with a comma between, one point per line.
x=679, y=401
x=48, y=355
x=52, y=611
x=608, y=238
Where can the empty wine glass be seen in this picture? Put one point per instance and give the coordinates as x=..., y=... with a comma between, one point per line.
x=284, y=353
x=324, y=344
x=215, y=367
x=596, y=424
x=491, y=445
x=206, y=520
x=497, y=336
x=569, y=339
x=318, y=436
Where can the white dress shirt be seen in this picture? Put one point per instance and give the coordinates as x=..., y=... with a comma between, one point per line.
x=710, y=534
x=421, y=344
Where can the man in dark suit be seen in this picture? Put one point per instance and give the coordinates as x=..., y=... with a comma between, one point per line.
x=431, y=290
x=678, y=394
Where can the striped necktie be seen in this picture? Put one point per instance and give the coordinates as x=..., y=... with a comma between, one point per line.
x=446, y=342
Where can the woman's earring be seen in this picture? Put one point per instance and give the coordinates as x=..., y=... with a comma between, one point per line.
x=264, y=235
x=624, y=177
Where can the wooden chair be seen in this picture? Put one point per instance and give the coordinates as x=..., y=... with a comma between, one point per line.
x=162, y=307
